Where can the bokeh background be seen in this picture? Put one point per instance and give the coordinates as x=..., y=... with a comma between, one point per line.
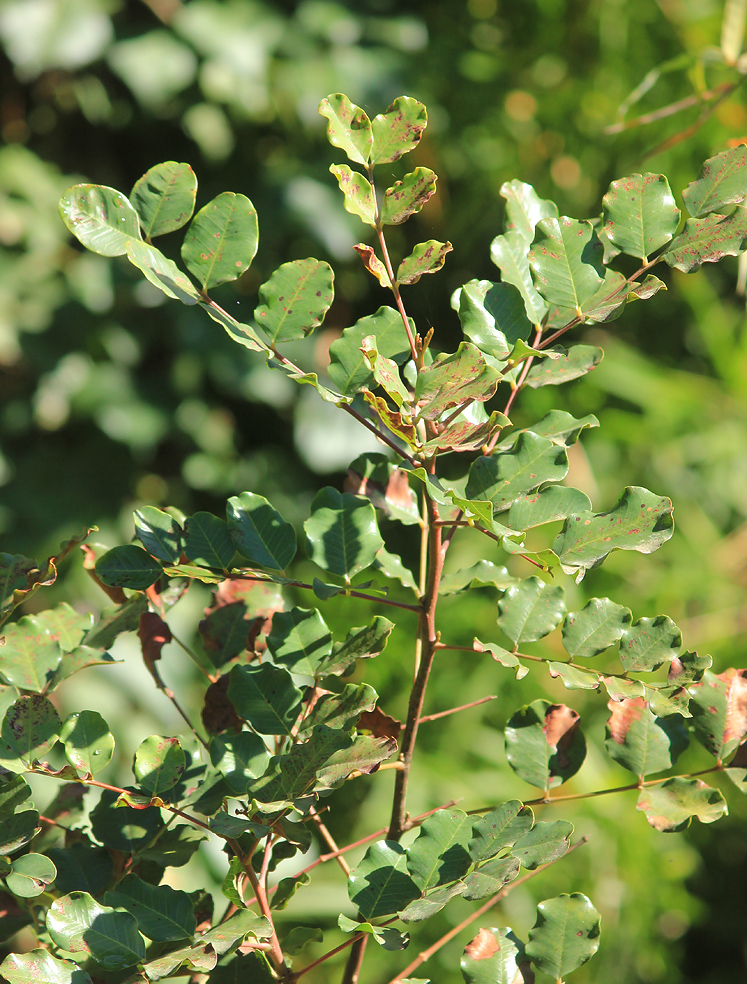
x=111, y=396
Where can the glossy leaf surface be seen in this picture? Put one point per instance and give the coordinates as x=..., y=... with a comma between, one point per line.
x=158, y=764
x=440, y=852
x=128, y=566
x=544, y=743
x=159, y=533
x=576, y=362
x=357, y=193
x=266, y=697
x=425, y=258
x=381, y=884
x=398, y=130
x=671, y=804
x=531, y=610
x=722, y=180
x=708, y=240
x=89, y=744
x=566, y=260
x=164, y=198
x=640, y=214
x=41, y=965
x=342, y=536
x=295, y=300
x=259, y=532
x=565, y=935
x=78, y=923
x=221, y=240
x=101, y=218
x=649, y=642
x=495, y=956
x=599, y=625
x=640, y=741
x=300, y=640
x=348, y=127
x=162, y=913
x=504, y=476
x=408, y=196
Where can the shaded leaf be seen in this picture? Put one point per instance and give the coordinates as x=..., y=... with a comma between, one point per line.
x=544, y=743
x=408, y=196
x=640, y=214
x=30, y=655
x=719, y=709
x=671, y=804
x=641, y=742
x=239, y=758
x=361, y=642
x=638, y=521
x=266, y=697
x=493, y=316
x=563, y=428
x=101, y=218
x=381, y=885
x=17, y=830
x=389, y=939
x=573, y=678
x=159, y=533
x=342, y=536
x=348, y=127
x=207, y=541
x=341, y=710
x=128, y=566
x=565, y=935
x=426, y=257
x=221, y=240
x=286, y=889
x=295, y=300
x=499, y=829
x=598, y=625
x=348, y=369
x=439, y=854
x=259, y=532
x=30, y=729
x=398, y=130
x=386, y=485
x=722, y=180
x=89, y=744
x=506, y=475
x=162, y=272
x=124, y=828
x=648, y=643
x=78, y=923
x=30, y=875
x=566, y=260
x=510, y=253
x=489, y=878
x=483, y=572
x=299, y=639
x=546, y=841
x=82, y=868
x=530, y=610
x=430, y=904
x=244, y=335
x=158, y=764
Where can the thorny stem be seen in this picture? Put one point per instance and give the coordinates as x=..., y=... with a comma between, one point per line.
x=427, y=954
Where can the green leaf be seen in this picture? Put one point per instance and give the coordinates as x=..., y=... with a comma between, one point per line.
x=342, y=536
x=640, y=214
x=619, y=688
x=259, y=532
x=341, y=710
x=389, y=939
x=648, y=643
x=547, y=505
x=30, y=729
x=300, y=936
x=348, y=369
x=708, y=240
x=244, y=335
x=300, y=640
x=15, y=572
x=524, y=208
x=164, y=198
x=361, y=642
x=386, y=485
x=40, y=965
x=562, y=428
x=483, y=572
x=572, y=677
x=17, y=830
x=495, y=956
x=489, y=878
x=221, y=240
x=599, y=625
x=113, y=621
x=641, y=742
x=440, y=852
x=373, y=264
x=124, y=828
x=82, y=868
x=357, y=192
x=566, y=260
x=671, y=804
x=565, y=935
x=408, y=196
x=544, y=743
x=430, y=904
x=64, y=625
x=89, y=744
x=162, y=272
x=426, y=257
x=454, y=379
x=30, y=875
x=101, y=218
x=295, y=300
x=162, y=913
x=239, y=758
x=510, y=253
x=499, y=829
x=721, y=181
x=207, y=541
x=14, y=790
x=719, y=709
x=266, y=697
x=385, y=372
x=158, y=764
x=574, y=363
x=159, y=533
x=506, y=475
x=493, y=316
x=287, y=888
x=78, y=923
x=381, y=885
x=128, y=566
x=348, y=127
x=502, y=656
x=688, y=668
x=530, y=610
x=30, y=655
x=638, y=521
x=398, y=130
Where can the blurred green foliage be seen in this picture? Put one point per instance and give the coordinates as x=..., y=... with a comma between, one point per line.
x=110, y=399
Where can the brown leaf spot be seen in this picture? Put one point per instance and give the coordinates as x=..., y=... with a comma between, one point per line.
x=379, y=724
x=218, y=713
x=736, y=703
x=624, y=713
x=483, y=946
x=560, y=723
x=153, y=633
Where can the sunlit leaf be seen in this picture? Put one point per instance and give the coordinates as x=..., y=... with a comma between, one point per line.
x=40, y=965
x=671, y=804
x=426, y=257
x=348, y=369
x=547, y=841
x=431, y=903
x=357, y=193
x=239, y=758
x=259, y=532
x=493, y=316
x=566, y=260
x=300, y=640
x=544, y=743
x=89, y=744
x=398, y=130
x=78, y=923
x=221, y=240
x=295, y=300
x=502, y=656
x=547, y=505
x=489, y=878
x=342, y=535
x=341, y=710
x=30, y=875
x=648, y=643
x=565, y=935
x=362, y=642
x=708, y=240
x=640, y=214
x=440, y=852
x=510, y=253
x=162, y=272
x=599, y=625
x=574, y=363
x=454, y=379
x=504, y=476
x=499, y=829
x=159, y=533
x=524, y=208
x=265, y=697
x=158, y=764
x=408, y=196
x=30, y=729
x=101, y=218
x=722, y=180
x=164, y=198
x=381, y=884
x=719, y=709
x=207, y=541
x=495, y=956
x=642, y=742
x=531, y=610
x=348, y=127
x=483, y=572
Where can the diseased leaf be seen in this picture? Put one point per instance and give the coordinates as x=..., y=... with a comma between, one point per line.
x=89, y=744
x=599, y=625
x=722, y=180
x=128, y=566
x=30, y=655
x=574, y=363
x=341, y=710
x=454, y=379
x=381, y=885
x=101, y=218
x=425, y=258
x=431, y=903
x=300, y=640
x=164, y=198
x=489, y=878
x=221, y=240
x=544, y=744
x=547, y=505
x=30, y=875
x=499, y=829
x=398, y=130
x=373, y=264
x=348, y=369
x=640, y=214
x=295, y=300
x=386, y=485
x=78, y=923
x=648, y=643
x=348, y=127
x=357, y=193
x=504, y=476
x=408, y=196
x=573, y=678
x=641, y=742
x=30, y=729
x=546, y=841
x=719, y=709
x=162, y=272
x=439, y=854
x=496, y=956
x=502, y=656
x=638, y=521
x=708, y=240
x=671, y=804
x=531, y=610
x=40, y=965
x=565, y=935
x=158, y=764
x=566, y=260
